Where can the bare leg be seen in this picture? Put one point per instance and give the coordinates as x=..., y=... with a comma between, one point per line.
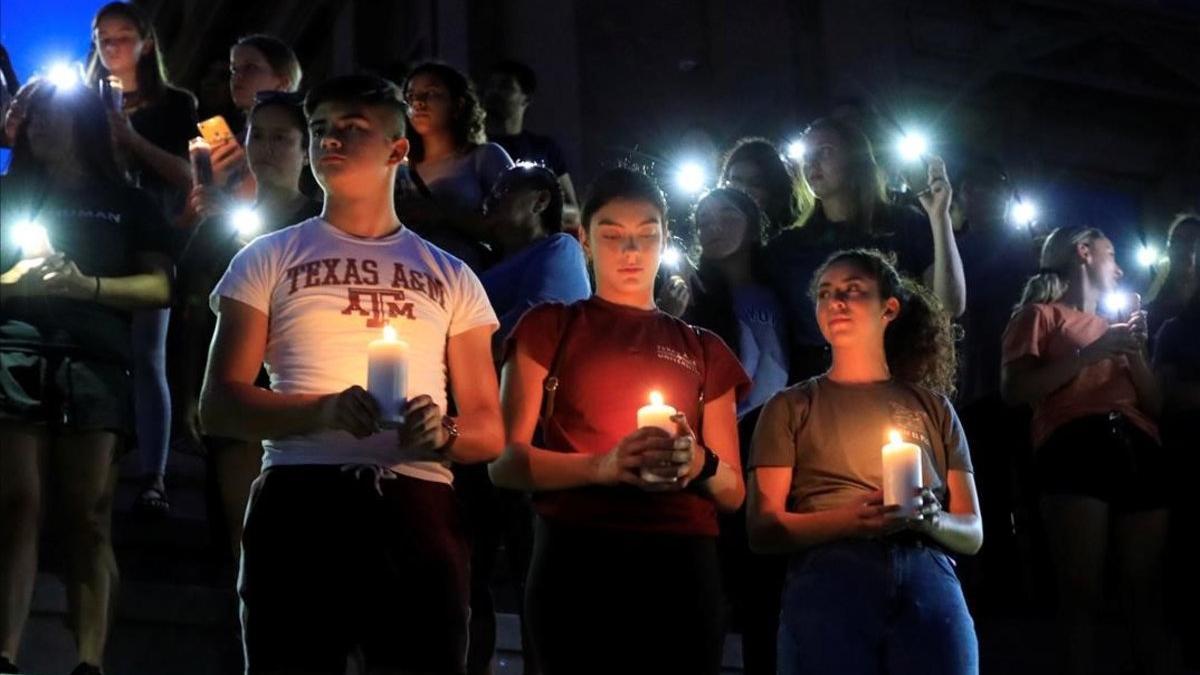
x=1140, y=540
x=1077, y=530
x=83, y=468
x=22, y=449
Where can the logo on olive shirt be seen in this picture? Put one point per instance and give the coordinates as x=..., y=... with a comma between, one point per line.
x=911, y=423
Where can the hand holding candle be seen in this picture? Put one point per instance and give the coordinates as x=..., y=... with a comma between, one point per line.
x=387, y=376
x=902, y=475
x=200, y=153
x=659, y=416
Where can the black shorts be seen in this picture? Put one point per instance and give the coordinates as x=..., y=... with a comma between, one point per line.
x=330, y=564
x=1108, y=458
x=65, y=393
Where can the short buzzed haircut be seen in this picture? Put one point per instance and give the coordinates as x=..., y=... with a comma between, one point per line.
x=523, y=74
x=361, y=89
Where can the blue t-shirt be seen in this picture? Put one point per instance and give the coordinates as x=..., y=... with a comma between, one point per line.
x=762, y=338
x=794, y=256
x=551, y=270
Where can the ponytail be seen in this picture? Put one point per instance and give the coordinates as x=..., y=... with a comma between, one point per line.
x=1058, y=256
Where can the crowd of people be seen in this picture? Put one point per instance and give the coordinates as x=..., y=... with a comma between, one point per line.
x=222, y=303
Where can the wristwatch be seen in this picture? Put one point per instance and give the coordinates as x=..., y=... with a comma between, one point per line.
x=712, y=462
x=451, y=427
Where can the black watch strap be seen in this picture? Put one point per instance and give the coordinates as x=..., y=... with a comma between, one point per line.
x=712, y=462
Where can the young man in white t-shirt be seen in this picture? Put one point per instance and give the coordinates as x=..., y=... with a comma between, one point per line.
x=352, y=536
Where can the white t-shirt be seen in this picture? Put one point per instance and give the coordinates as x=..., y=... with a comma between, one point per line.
x=327, y=295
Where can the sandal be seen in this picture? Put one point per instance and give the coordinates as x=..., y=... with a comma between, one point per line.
x=152, y=502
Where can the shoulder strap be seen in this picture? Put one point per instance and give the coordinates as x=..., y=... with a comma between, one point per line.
x=550, y=384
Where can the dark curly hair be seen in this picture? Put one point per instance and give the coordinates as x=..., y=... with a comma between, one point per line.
x=919, y=342
x=467, y=121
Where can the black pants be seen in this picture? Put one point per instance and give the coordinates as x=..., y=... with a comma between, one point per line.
x=330, y=563
x=601, y=601
x=753, y=582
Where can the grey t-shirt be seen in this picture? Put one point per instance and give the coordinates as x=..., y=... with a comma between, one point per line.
x=832, y=436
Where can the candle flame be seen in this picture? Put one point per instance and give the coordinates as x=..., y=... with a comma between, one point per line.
x=894, y=436
x=389, y=333
x=656, y=398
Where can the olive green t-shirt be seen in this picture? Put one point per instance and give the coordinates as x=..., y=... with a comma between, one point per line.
x=832, y=436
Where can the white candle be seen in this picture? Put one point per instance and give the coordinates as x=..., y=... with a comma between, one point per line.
x=387, y=376
x=33, y=240
x=657, y=415
x=902, y=475
x=200, y=153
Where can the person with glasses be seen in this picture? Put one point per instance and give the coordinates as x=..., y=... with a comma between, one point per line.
x=539, y=263
x=451, y=167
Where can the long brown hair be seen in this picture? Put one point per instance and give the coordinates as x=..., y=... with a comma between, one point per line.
x=863, y=176
x=151, y=70
x=919, y=342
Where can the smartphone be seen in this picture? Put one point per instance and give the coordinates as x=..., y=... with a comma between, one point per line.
x=1120, y=306
x=215, y=130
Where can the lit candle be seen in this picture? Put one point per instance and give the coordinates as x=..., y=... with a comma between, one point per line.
x=658, y=415
x=200, y=153
x=387, y=376
x=33, y=240
x=112, y=91
x=902, y=475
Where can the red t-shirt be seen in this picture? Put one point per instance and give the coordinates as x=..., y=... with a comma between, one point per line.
x=611, y=360
x=1053, y=330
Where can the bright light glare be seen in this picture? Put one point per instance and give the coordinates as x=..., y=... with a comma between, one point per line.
x=1147, y=255
x=795, y=150
x=246, y=221
x=1023, y=213
x=63, y=75
x=912, y=146
x=31, y=238
x=1116, y=302
x=671, y=257
x=691, y=177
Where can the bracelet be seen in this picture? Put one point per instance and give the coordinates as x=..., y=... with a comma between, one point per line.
x=96, y=293
x=451, y=427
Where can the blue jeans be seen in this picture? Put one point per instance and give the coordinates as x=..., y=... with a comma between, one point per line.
x=875, y=606
x=152, y=396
